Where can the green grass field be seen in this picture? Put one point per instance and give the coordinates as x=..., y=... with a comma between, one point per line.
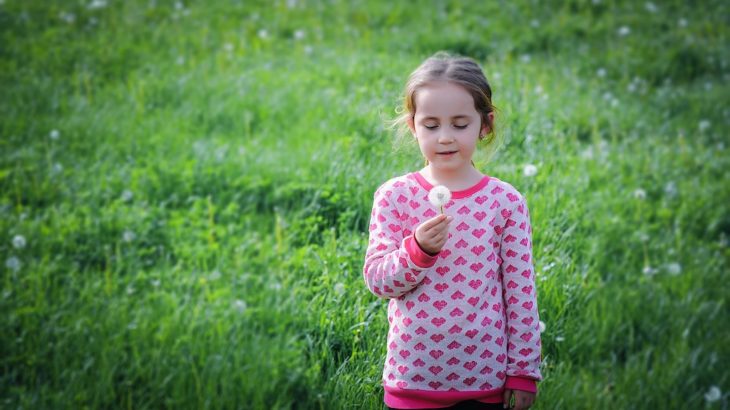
x=185, y=189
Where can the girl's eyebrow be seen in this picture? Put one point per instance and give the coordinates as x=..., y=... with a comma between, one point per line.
x=455, y=117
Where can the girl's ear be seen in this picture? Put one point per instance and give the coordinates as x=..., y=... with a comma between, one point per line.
x=485, y=127
x=411, y=125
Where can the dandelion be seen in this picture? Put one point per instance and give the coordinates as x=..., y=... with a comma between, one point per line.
x=13, y=264
x=704, y=125
x=180, y=60
x=541, y=326
x=308, y=50
x=239, y=305
x=97, y=4
x=648, y=270
x=67, y=17
x=559, y=339
x=54, y=134
x=525, y=58
x=263, y=34
x=674, y=268
x=601, y=72
x=713, y=395
x=650, y=7
x=587, y=153
x=228, y=47
x=529, y=170
x=299, y=34
x=624, y=31
x=670, y=189
x=19, y=242
x=57, y=168
x=339, y=288
x=534, y=23
x=538, y=89
x=682, y=22
x=128, y=236
x=155, y=283
x=439, y=196
x=179, y=5
x=130, y=290
x=639, y=194
x=127, y=195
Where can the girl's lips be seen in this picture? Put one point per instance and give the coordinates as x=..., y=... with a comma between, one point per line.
x=446, y=153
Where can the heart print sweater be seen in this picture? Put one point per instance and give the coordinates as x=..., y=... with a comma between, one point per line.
x=463, y=324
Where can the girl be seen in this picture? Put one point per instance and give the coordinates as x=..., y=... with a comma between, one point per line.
x=462, y=311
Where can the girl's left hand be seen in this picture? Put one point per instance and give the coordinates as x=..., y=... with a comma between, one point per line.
x=523, y=399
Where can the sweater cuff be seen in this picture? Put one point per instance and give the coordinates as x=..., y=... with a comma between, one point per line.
x=521, y=383
x=418, y=255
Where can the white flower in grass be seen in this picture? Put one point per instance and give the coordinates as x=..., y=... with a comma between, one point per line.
x=559, y=339
x=263, y=34
x=704, y=125
x=339, y=288
x=601, y=72
x=682, y=22
x=639, y=193
x=228, y=47
x=13, y=264
x=713, y=395
x=19, y=241
x=624, y=31
x=129, y=236
x=239, y=305
x=529, y=170
x=97, y=4
x=651, y=7
x=648, y=270
x=299, y=34
x=127, y=195
x=541, y=326
x=674, y=268
x=439, y=196
x=54, y=134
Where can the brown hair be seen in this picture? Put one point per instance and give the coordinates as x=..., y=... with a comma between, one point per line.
x=462, y=71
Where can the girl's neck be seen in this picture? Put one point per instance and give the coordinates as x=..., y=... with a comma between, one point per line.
x=456, y=180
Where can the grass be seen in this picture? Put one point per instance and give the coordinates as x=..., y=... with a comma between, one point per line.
x=193, y=184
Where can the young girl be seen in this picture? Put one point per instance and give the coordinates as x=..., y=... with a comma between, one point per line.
x=462, y=311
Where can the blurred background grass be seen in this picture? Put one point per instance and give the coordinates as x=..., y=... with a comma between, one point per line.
x=186, y=187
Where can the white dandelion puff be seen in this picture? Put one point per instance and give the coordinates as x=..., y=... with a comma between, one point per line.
x=713, y=395
x=648, y=270
x=339, y=288
x=559, y=339
x=639, y=193
x=541, y=326
x=670, y=189
x=529, y=170
x=239, y=305
x=601, y=72
x=228, y=47
x=13, y=264
x=439, y=196
x=54, y=134
x=263, y=34
x=650, y=7
x=128, y=236
x=127, y=195
x=674, y=268
x=19, y=241
x=299, y=34
x=525, y=58
x=624, y=31
x=704, y=125
x=682, y=22
x=97, y=4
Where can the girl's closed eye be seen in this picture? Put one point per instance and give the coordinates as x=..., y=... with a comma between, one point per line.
x=433, y=127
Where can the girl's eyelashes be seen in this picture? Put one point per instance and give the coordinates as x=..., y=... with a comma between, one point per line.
x=433, y=127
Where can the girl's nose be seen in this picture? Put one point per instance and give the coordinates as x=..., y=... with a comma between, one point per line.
x=445, y=137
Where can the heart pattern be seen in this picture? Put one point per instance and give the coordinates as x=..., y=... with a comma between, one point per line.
x=466, y=318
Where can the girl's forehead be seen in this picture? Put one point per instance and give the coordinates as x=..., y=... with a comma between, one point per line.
x=443, y=99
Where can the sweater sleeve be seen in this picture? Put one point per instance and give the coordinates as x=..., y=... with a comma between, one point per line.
x=394, y=263
x=520, y=300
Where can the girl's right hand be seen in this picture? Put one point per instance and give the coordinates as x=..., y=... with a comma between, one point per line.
x=432, y=234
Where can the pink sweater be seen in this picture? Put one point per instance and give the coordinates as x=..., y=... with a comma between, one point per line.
x=463, y=324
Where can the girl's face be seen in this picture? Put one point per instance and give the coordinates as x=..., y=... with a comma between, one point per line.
x=446, y=125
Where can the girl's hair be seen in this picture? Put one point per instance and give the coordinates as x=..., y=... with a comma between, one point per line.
x=462, y=71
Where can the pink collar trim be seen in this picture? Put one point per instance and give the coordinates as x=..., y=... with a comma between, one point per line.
x=454, y=194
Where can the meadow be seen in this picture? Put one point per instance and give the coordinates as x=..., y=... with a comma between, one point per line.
x=185, y=191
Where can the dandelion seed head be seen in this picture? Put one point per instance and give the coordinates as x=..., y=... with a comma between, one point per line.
x=228, y=47
x=339, y=288
x=624, y=31
x=529, y=170
x=263, y=34
x=674, y=268
x=19, y=242
x=648, y=270
x=128, y=236
x=682, y=22
x=13, y=263
x=601, y=72
x=54, y=134
x=713, y=394
x=525, y=58
x=541, y=326
x=639, y=193
x=559, y=339
x=239, y=305
x=704, y=125
x=439, y=196
x=299, y=34
x=650, y=7
x=96, y=4
x=127, y=195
